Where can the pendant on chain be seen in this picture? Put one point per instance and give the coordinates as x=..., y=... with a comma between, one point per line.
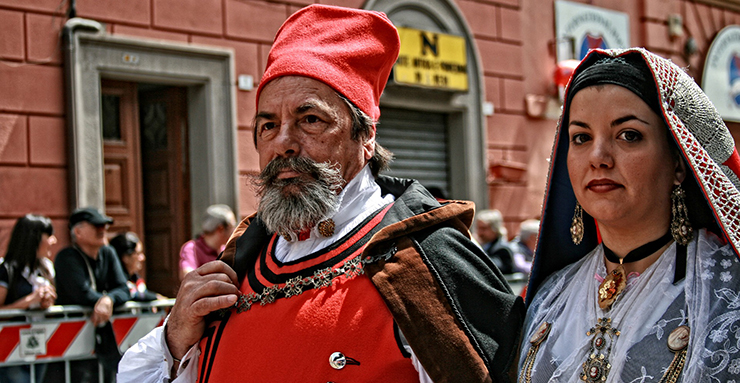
x=596, y=367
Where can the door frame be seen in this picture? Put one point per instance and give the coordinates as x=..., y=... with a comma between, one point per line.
x=466, y=124
x=208, y=73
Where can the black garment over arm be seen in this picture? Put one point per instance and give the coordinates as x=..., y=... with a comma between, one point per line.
x=502, y=255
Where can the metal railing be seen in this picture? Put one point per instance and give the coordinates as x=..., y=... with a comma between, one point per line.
x=69, y=310
x=65, y=333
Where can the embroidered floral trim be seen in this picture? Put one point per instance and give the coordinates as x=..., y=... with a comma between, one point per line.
x=320, y=279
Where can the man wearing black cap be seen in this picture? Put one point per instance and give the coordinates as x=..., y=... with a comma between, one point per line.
x=89, y=274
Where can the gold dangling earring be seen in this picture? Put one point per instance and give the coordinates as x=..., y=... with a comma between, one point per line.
x=576, y=226
x=680, y=226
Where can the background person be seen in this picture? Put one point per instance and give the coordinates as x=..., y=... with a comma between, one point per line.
x=27, y=279
x=372, y=274
x=130, y=251
x=641, y=152
x=26, y=273
x=217, y=224
x=491, y=233
x=523, y=245
x=89, y=274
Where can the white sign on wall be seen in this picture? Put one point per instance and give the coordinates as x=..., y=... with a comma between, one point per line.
x=580, y=27
x=721, y=78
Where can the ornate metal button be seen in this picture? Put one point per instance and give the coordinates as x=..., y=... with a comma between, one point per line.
x=326, y=228
x=679, y=338
x=337, y=360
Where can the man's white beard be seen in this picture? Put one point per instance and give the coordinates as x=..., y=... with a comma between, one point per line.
x=297, y=204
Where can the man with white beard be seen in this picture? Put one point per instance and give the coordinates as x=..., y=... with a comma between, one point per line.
x=342, y=274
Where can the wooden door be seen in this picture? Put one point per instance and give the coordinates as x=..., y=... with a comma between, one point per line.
x=166, y=184
x=121, y=157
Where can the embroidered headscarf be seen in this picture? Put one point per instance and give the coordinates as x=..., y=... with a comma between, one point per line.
x=702, y=139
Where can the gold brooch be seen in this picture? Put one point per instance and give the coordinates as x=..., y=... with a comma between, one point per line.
x=611, y=287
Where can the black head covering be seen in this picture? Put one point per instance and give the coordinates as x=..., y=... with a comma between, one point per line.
x=626, y=72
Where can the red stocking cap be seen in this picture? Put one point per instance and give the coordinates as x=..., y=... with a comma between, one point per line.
x=350, y=50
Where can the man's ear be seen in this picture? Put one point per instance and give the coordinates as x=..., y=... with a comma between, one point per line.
x=369, y=144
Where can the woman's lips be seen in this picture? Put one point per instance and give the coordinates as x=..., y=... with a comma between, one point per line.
x=603, y=186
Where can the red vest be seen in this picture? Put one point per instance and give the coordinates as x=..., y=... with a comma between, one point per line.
x=293, y=339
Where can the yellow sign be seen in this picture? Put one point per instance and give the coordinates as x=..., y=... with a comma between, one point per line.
x=431, y=59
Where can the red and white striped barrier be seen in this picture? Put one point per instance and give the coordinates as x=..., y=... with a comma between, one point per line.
x=67, y=339
x=130, y=328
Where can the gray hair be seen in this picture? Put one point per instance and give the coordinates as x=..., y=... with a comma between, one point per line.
x=361, y=126
x=217, y=215
x=528, y=229
x=72, y=236
x=494, y=220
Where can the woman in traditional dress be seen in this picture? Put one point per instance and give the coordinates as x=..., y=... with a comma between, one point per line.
x=636, y=275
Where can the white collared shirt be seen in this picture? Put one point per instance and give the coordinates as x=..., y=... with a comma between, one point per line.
x=358, y=200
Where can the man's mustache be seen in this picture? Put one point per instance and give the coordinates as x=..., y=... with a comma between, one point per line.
x=322, y=172
x=301, y=165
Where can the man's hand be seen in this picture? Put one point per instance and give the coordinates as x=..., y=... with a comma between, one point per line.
x=208, y=288
x=102, y=311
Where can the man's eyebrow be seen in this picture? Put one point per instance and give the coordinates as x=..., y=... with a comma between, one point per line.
x=306, y=107
x=264, y=116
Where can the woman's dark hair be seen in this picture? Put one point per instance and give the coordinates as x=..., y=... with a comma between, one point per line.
x=24, y=244
x=125, y=243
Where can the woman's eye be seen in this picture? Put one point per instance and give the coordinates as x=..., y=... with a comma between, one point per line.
x=630, y=136
x=579, y=138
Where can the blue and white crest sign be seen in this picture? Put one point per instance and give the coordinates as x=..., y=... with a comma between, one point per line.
x=580, y=27
x=721, y=78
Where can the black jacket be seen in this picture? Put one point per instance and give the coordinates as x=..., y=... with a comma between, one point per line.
x=73, y=278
